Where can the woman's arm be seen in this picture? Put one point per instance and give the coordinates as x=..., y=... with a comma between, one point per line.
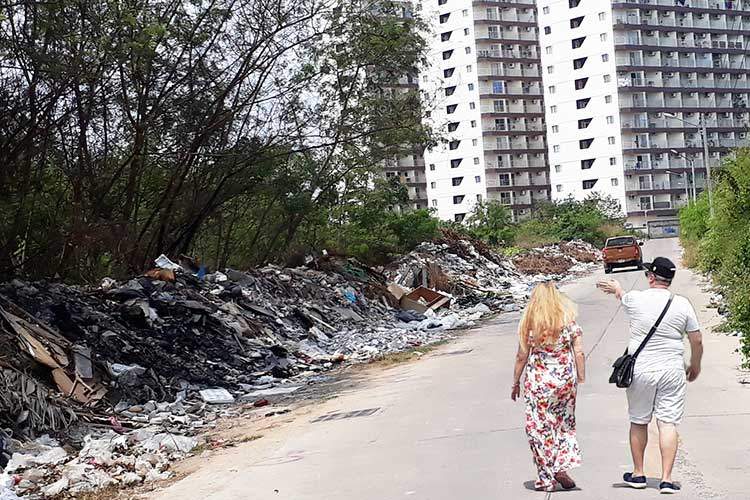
x=580, y=355
x=522, y=356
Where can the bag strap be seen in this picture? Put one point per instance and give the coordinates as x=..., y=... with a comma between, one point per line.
x=653, y=328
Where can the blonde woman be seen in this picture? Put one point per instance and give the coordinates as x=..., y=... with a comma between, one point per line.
x=551, y=353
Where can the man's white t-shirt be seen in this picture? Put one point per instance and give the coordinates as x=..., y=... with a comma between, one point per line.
x=665, y=350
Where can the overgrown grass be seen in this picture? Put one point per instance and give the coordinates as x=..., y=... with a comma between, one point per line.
x=720, y=244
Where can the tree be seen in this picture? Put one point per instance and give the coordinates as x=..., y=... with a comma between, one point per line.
x=492, y=222
x=223, y=128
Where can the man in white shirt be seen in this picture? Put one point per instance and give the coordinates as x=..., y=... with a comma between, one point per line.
x=660, y=377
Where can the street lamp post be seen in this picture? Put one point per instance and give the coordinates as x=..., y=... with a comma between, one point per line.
x=687, y=191
x=692, y=172
x=706, y=159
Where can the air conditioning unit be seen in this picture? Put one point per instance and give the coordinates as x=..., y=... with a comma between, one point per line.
x=670, y=74
x=743, y=135
x=523, y=193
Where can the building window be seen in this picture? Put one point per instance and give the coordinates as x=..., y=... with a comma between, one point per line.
x=432, y=167
x=447, y=73
x=608, y=99
x=605, y=57
x=551, y=89
x=473, y=124
x=550, y=69
x=553, y=109
x=457, y=200
x=476, y=161
x=466, y=31
x=589, y=183
x=613, y=161
x=576, y=22
x=555, y=129
x=434, y=203
x=456, y=181
x=465, y=12
x=607, y=78
x=474, y=142
x=577, y=42
x=447, y=54
x=498, y=87
x=453, y=145
x=545, y=10
x=433, y=185
x=467, y=50
x=444, y=18
x=478, y=179
x=559, y=188
x=584, y=123
x=611, y=139
x=472, y=105
x=615, y=181
x=479, y=198
x=449, y=91
x=451, y=109
x=548, y=49
x=453, y=126
x=587, y=164
x=471, y=87
x=585, y=143
x=603, y=37
x=582, y=103
x=558, y=169
x=444, y=37
x=459, y=217
x=610, y=120
x=602, y=16
x=547, y=30
x=556, y=148
x=578, y=63
x=581, y=83
x=573, y=3
x=456, y=162
x=469, y=68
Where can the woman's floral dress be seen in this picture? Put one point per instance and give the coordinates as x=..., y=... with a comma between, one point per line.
x=550, y=392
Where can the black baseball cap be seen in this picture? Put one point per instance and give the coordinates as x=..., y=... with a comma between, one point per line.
x=662, y=267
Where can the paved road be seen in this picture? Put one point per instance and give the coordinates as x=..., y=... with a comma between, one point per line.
x=445, y=428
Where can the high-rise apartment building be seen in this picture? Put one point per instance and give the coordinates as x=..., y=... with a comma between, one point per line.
x=410, y=169
x=484, y=70
x=627, y=86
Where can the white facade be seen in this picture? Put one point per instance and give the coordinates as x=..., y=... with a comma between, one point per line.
x=581, y=99
x=655, y=70
x=484, y=69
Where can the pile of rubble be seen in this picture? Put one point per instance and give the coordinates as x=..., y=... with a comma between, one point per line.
x=564, y=259
x=130, y=372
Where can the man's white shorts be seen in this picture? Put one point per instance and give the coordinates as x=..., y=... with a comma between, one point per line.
x=658, y=393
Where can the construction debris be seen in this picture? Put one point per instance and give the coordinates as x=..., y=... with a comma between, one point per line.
x=126, y=375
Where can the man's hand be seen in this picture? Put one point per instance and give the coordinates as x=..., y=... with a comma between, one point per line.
x=515, y=392
x=692, y=372
x=611, y=287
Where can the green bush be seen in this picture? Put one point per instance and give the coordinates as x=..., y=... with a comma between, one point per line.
x=722, y=242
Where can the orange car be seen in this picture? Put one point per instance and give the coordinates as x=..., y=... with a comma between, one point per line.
x=622, y=251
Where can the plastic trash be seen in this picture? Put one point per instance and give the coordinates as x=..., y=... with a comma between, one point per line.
x=163, y=262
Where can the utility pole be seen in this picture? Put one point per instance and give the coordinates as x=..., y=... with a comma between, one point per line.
x=707, y=162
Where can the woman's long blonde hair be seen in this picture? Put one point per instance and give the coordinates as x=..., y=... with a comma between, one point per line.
x=548, y=312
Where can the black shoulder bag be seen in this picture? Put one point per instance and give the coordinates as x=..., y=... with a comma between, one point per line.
x=622, y=375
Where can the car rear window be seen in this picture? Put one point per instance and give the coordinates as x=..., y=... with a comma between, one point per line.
x=621, y=242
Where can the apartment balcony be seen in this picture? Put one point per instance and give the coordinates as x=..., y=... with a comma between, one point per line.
x=507, y=54
x=516, y=70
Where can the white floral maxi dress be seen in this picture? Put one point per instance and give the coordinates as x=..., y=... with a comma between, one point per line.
x=550, y=392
